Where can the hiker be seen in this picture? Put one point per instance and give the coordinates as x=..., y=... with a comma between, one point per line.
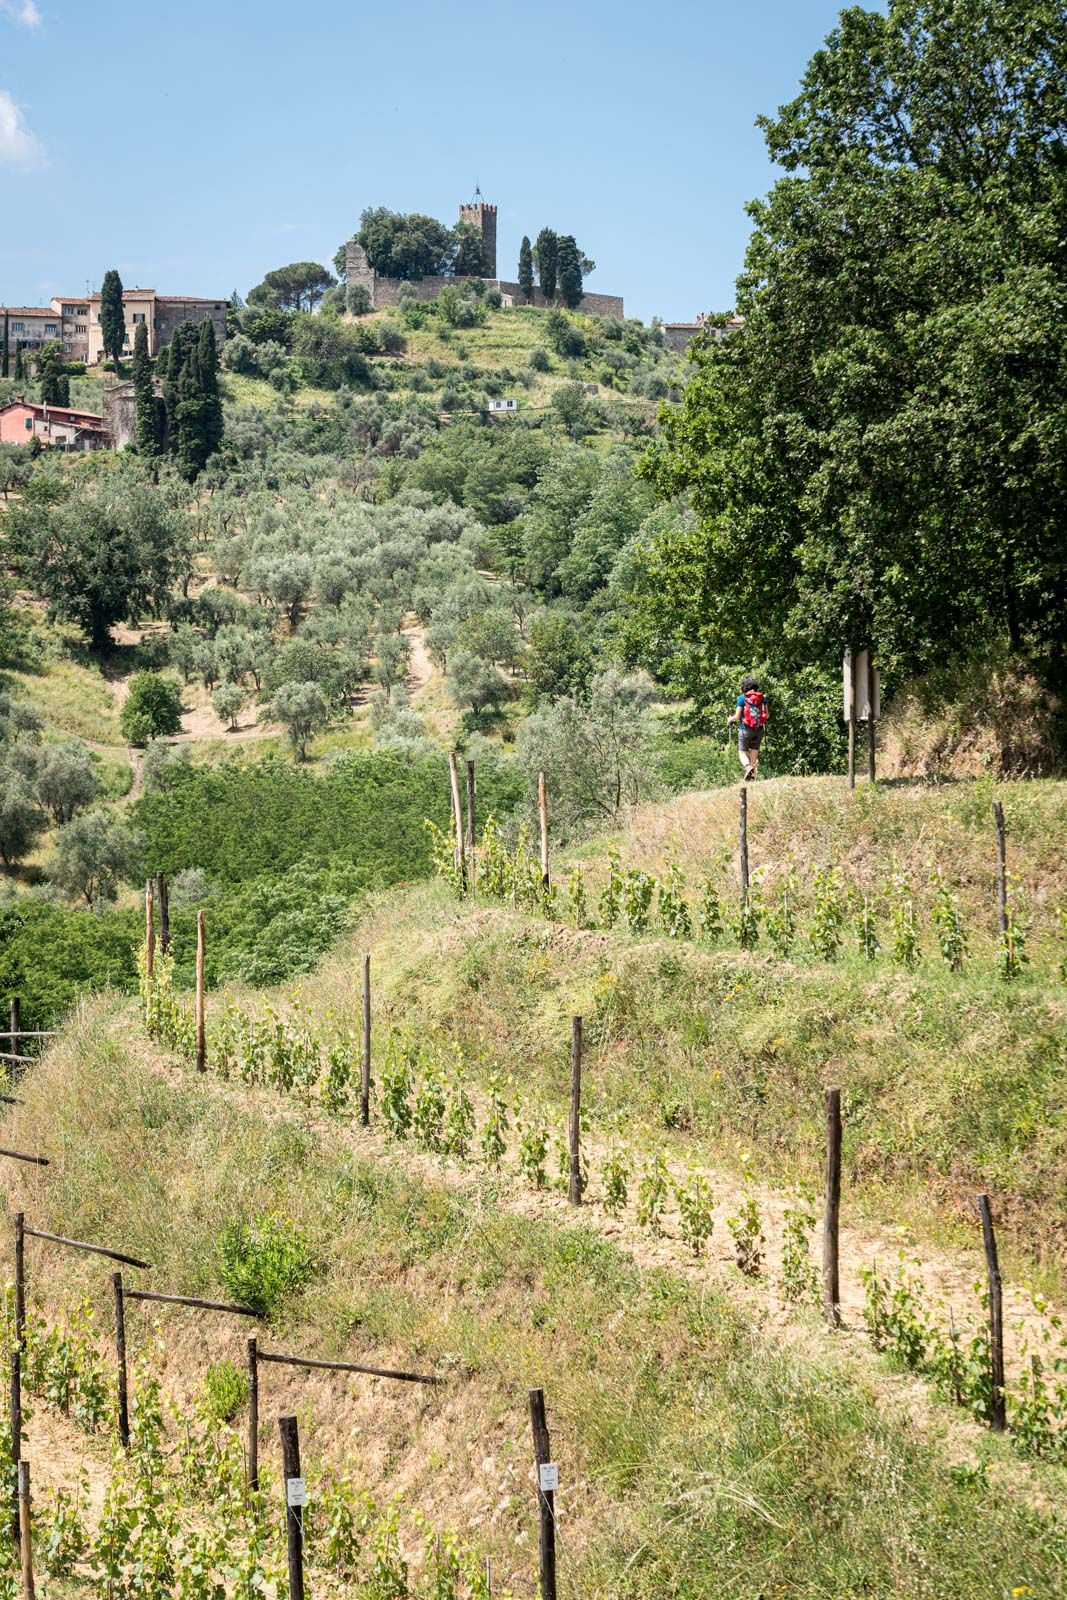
x=751, y=714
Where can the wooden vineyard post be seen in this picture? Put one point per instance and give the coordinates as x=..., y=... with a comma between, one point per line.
x=744, y=843
x=546, y=1497
x=364, y=1088
x=831, y=1282
x=471, y=857
x=16, y=1435
x=1002, y=867
x=998, y=1408
x=294, y=1504
x=20, y=1280
x=574, y=1129
x=164, y=913
x=850, y=713
x=542, y=807
x=25, y=1530
x=253, y=1416
x=16, y=1024
x=872, y=742
x=457, y=821
x=149, y=930
x=120, y=1359
x=201, y=1030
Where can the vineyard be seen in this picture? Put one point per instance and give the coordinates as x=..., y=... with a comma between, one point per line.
x=387, y=1168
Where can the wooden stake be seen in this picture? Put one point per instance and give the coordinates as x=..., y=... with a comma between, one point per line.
x=546, y=1499
x=201, y=1031
x=16, y=1022
x=998, y=1409
x=850, y=667
x=1002, y=864
x=294, y=1515
x=871, y=735
x=253, y=1417
x=542, y=806
x=164, y=913
x=831, y=1284
x=744, y=840
x=20, y=1280
x=149, y=930
x=457, y=820
x=25, y=1530
x=574, y=1130
x=470, y=807
x=120, y=1359
x=16, y=1436
x=364, y=1091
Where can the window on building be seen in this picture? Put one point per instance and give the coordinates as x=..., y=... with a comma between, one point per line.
x=138, y=316
x=29, y=424
x=51, y=327
x=17, y=327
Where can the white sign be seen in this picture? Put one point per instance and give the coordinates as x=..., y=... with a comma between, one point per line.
x=548, y=1474
x=296, y=1493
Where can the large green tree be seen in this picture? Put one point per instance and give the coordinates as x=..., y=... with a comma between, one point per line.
x=546, y=257
x=296, y=287
x=112, y=317
x=526, y=270
x=881, y=453
x=400, y=246
x=52, y=375
x=99, y=549
x=146, y=409
x=569, y=271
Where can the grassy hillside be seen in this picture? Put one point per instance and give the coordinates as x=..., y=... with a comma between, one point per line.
x=713, y=1440
x=699, y=1455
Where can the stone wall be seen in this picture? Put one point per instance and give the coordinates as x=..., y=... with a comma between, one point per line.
x=386, y=291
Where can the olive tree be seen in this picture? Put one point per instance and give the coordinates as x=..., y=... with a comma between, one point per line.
x=94, y=853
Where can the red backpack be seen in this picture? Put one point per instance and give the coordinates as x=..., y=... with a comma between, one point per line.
x=754, y=710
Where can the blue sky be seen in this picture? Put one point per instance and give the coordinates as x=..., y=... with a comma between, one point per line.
x=195, y=146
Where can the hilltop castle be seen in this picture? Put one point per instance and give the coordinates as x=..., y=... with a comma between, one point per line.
x=480, y=215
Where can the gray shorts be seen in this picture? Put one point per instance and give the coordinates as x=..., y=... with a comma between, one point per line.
x=749, y=738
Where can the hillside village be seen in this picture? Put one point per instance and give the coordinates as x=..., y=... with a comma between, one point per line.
x=533, y=885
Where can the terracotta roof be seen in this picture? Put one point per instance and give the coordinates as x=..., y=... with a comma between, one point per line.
x=60, y=413
x=29, y=311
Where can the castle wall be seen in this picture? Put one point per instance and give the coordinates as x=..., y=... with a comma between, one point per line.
x=386, y=291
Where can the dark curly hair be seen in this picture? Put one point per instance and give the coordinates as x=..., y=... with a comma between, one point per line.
x=749, y=683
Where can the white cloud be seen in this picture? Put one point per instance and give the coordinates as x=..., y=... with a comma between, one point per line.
x=18, y=146
x=24, y=12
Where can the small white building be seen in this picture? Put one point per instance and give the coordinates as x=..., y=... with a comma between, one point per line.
x=507, y=403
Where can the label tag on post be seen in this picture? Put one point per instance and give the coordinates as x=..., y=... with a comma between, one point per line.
x=548, y=1476
x=296, y=1492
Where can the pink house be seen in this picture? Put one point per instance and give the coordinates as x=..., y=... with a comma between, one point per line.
x=58, y=426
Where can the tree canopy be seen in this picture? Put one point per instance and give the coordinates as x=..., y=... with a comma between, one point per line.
x=879, y=455
x=298, y=287
x=112, y=316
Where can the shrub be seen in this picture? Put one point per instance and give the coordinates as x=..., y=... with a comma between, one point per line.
x=357, y=299
x=540, y=360
x=225, y=1390
x=153, y=709
x=265, y=1261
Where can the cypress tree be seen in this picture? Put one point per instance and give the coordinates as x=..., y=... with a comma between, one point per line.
x=112, y=317
x=526, y=272
x=55, y=384
x=546, y=251
x=569, y=271
x=146, y=410
x=209, y=385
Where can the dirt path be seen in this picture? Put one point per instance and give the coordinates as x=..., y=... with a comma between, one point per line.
x=420, y=668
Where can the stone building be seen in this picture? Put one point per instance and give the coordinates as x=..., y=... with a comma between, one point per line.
x=680, y=335
x=74, y=320
x=386, y=291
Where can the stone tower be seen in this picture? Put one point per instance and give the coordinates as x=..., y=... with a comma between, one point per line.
x=483, y=217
